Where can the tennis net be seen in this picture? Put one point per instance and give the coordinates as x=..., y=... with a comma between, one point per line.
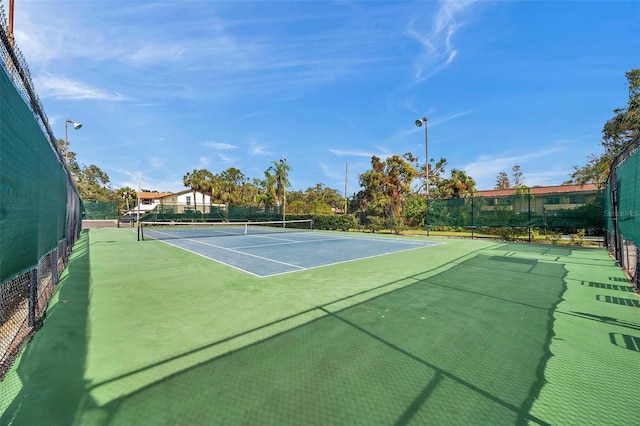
x=188, y=230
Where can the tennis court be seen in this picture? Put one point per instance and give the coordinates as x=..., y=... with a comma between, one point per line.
x=269, y=248
x=461, y=332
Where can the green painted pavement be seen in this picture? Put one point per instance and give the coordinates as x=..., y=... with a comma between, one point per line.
x=465, y=332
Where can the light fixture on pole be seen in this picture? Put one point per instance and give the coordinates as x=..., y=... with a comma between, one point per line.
x=419, y=123
x=66, y=137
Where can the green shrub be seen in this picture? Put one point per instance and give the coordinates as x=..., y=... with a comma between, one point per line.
x=395, y=224
x=554, y=238
x=510, y=234
x=577, y=238
x=332, y=222
x=374, y=223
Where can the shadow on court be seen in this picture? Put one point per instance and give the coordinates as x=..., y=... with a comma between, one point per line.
x=37, y=387
x=471, y=344
x=449, y=349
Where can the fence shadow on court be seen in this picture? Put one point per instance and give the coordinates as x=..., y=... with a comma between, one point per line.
x=456, y=345
x=60, y=346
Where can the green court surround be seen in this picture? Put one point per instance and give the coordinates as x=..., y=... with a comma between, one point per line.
x=465, y=332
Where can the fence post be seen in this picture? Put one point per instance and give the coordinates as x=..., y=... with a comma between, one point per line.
x=33, y=296
x=636, y=276
x=613, y=182
x=529, y=219
x=54, y=267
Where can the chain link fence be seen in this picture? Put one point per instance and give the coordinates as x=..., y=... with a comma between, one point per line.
x=622, y=210
x=40, y=210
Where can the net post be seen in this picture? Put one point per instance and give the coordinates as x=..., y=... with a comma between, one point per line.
x=139, y=229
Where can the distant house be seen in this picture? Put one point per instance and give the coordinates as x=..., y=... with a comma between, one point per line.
x=543, y=200
x=150, y=200
x=179, y=202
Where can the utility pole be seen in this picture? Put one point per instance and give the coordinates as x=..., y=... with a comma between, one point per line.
x=346, y=197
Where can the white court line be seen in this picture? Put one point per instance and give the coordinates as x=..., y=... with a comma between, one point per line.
x=237, y=268
x=326, y=237
x=234, y=251
x=290, y=242
x=346, y=261
x=420, y=244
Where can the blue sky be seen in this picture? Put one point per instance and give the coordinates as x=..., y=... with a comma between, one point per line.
x=163, y=87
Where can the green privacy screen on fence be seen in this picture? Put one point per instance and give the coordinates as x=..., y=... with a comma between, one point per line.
x=621, y=209
x=33, y=187
x=625, y=178
x=555, y=212
x=39, y=205
x=99, y=210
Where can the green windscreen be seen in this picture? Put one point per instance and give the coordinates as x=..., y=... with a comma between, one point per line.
x=621, y=215
x=35, y=191
x=628, y=192
x=545, y=211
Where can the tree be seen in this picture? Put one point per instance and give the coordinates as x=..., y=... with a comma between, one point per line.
x=436, y=179
x=459, y=184
x=517, y=176
x=414, y=211
x=617, y=132
x=126, y=197
x=595, y=171
x=277, y=177
x=194, y=181
x=262, y=195
x=320, y=194
x=232, y=185
x=436, y=171
x=208, y=184
x=625, y=125
x=502, y=181
x=93, y=184
x=388, y=183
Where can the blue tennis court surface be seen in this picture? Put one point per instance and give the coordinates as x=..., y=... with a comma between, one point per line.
x=265, y=255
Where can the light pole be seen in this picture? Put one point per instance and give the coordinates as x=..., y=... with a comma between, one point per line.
x=66, y=138
x=138, y=199
x=284, y=190
x=419, y=123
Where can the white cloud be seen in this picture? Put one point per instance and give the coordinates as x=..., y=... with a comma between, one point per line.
x=548, y=177
x=412, y=128
x=225, y=159
x=156, y=162
x=331, y=173
x=485, y=169
x=342, y=153
x=435, y=37
x=204, y=161
x=62, y=88
x=219, y=145
x=256, y=149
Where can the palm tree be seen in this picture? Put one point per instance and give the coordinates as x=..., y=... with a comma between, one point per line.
x=459, y=184
x=207, y=185
x=193, y=180
x=125, y=194
x=278, y=181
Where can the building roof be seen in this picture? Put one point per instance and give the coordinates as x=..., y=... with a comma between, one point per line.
x=153, y=195
x=559, y=189
x=189, y=191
